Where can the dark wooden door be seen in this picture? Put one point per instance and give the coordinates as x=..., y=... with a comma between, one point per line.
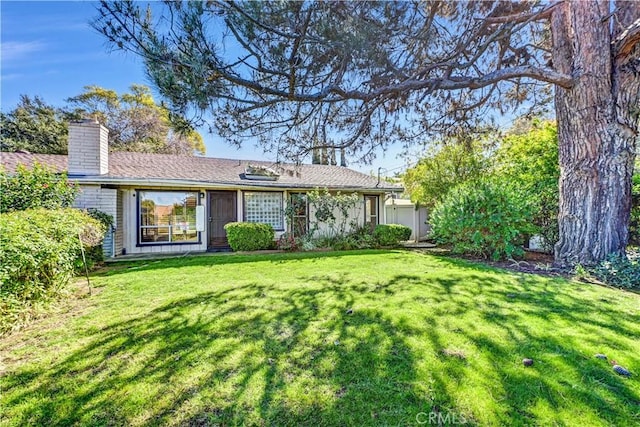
x=222, y=210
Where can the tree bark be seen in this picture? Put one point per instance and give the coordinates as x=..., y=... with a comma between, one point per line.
x=597, y=133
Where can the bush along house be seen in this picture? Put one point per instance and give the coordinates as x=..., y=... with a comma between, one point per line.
x=163, y=203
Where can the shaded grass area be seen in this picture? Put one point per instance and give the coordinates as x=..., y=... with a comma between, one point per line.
x=339, y=338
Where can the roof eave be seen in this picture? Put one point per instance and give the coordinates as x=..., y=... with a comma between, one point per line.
x=155, y=182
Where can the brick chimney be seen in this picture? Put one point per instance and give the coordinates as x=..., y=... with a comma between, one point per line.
x=88, y=148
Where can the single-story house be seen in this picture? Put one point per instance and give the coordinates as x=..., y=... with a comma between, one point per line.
x=172, y=203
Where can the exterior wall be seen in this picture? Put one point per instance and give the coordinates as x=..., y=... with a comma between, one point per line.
x=88, y=148
x=125, y=211
x=102, y=199
x=119, y=234
x=357, y=213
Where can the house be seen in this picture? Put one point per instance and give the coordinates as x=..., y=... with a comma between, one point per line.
x=172, y=203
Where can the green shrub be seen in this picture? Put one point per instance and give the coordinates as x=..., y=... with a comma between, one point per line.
x=528, y=155
x=249, y=236
x=95, y=254
x=391, y=234
x=363, y=237
x=486, y=218
x=38, y=253
x=617, y=270
x=38, y=187
x=359, y=238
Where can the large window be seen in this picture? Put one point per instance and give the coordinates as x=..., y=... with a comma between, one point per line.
x=299, y=214
x=167, y=217
x=371, y=216
x=265, y=207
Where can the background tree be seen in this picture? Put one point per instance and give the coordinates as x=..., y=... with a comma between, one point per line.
x=445, y=167
x=528, y=155
x=136, y=122
x=374, y=72
x=33, y=126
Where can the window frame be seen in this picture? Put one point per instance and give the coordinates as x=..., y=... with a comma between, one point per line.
x=281, y=208
x=367, y=218
x=139, y=242
x=294, y=216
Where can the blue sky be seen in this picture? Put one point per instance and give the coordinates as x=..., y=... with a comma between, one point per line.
x=49, y=49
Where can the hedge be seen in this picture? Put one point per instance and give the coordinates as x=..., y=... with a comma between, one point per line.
x=39, y=251
x=249, y=236
x=391, y=234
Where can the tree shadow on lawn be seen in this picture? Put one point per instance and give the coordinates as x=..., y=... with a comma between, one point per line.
x=561, y=326
x=247, y=355
x=264, y=355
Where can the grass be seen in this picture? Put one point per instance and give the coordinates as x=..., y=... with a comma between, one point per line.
x=272, y=340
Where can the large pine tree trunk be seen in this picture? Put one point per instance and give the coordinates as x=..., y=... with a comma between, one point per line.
x=597, y=133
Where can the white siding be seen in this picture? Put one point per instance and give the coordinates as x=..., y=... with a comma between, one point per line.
x=102, y=199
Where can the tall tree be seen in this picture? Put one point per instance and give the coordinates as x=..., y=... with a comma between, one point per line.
x=136, y=122
x=33, y=126
x=374, y=72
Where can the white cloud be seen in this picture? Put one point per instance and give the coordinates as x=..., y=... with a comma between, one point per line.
x=13, y=51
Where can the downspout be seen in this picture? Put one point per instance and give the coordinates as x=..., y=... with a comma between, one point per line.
x=113, y=241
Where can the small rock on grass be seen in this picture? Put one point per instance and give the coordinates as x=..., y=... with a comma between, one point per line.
x=527, y=362
x=454, y=353
x=621, y=371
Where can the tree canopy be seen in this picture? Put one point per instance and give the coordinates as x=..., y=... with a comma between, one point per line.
x=347, y=74
x=360, y=75
x=135, y=122
x=526, y=156
x=33, y=126
x=446, y=166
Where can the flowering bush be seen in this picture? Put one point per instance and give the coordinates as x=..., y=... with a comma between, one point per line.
x=38, y=187
x=288, y=242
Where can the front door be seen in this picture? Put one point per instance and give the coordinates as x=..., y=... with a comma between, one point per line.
x=222, y=210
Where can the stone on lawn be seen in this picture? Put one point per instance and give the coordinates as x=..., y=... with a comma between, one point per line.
x=621, y=371
x=527, y=362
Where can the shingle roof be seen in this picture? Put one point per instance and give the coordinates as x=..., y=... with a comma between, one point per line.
x=208, y=170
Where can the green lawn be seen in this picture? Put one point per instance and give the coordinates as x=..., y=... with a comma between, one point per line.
x=268, y=340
